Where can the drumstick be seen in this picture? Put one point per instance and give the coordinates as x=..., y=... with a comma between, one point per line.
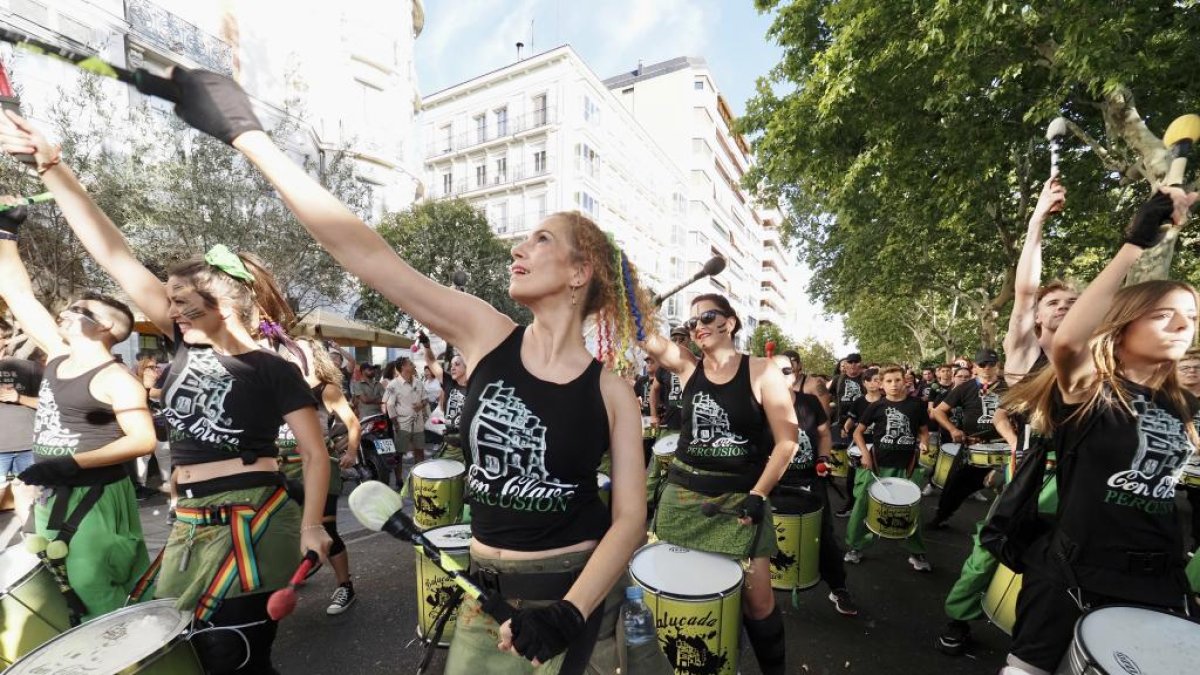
x=52, y=558
x=283, y=601
x=33, y=199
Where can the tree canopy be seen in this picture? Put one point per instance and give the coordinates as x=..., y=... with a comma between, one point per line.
x=907, y=139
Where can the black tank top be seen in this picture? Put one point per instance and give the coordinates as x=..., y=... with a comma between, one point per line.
x=724, y=427
x=533, y=448
x=70, y=421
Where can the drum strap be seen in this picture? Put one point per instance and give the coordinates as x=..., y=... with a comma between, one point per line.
x=147, y=578
x=68, y=525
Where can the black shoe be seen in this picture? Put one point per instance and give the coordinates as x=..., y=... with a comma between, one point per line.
x=955, y=638
x=845, y=512
x=143, y=493
x=843, y=603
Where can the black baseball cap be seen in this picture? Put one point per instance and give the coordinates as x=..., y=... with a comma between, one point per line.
x=679, y=330
x=854, y=357
x=986, y=355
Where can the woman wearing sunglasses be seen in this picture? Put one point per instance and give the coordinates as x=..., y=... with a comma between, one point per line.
x=738, y=437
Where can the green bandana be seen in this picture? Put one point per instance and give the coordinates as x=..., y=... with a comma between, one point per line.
x=227, y=261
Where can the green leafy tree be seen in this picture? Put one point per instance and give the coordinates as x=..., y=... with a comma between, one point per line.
x=766, y=332
x=907, y=140
x=439, y=238
x=817, y=357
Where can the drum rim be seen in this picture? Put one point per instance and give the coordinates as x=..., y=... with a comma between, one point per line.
x=26, y=577
x=414, y=474
x=183, y=634
x=464, y=546
x=686, y=598
x=1079, y=647
x=871, y=495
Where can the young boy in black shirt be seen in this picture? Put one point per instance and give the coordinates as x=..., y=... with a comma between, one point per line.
x=901, y=430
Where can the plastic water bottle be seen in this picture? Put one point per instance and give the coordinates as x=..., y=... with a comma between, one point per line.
x=637, y=619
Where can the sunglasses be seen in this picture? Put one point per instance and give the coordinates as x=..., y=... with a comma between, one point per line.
x=706, y=318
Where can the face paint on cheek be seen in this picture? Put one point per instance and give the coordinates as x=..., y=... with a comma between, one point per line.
x=191, y=312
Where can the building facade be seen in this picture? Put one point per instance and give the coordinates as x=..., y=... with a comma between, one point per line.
x=544, y=134
x=678, y=103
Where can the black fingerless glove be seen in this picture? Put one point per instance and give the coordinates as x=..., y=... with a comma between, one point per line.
x=52, y=471
x=11, y=220
x=545, y=632
x=214, y=104
x=753, y=508
x=1146, y=228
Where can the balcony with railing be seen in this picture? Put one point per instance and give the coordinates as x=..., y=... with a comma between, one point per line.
x=474, y=137
x=173, y=35
x=513, y=175
x=518, y=224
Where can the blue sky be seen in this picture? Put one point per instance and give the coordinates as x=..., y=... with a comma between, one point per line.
x=465, y=38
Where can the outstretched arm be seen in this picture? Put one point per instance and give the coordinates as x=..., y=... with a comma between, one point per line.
x=17, y=291
x=95, y=230
x=1021, y=346
x=1069, y=354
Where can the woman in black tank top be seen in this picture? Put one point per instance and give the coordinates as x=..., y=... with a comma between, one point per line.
x=738, y=437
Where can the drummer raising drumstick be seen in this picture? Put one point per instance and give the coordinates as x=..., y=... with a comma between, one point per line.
x=1121, y=427
x=738, y=437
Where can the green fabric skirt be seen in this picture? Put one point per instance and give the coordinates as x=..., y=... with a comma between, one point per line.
x=195, y=553
x=293, y=468
x=678, y=520
x=108, y=552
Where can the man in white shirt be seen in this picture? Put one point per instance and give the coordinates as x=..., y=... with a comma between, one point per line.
x=406, y=404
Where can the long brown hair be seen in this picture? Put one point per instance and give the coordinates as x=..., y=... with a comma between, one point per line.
x=614, y=292
x=253, y=302
x=1034, y=396
x=322, y=365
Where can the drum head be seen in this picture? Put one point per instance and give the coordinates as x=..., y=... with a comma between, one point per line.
x=15, y=564
x=603, y=482
x=951, y=449
x=439, y=469
x=666, y=444
x=1135, y=640
x=110, y=643
x=450, y=537
x=683, y=573
x=991, y=447
x=895, y=491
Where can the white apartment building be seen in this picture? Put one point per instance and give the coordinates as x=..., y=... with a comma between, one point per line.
x=349, y=65
x=680, y=106
x=544, y=134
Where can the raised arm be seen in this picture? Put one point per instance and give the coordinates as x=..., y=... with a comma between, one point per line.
x=435, y=367
x=1021, y=346
x=16, y=289
x=1069, y=354
x=217, y=106
x=671, y=356
x=103, y=241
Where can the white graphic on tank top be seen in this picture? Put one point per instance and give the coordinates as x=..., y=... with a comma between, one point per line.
x=804, y=453
x=851, y=391
x=989, y=401
x=675, y=397
x=454, y=403
x=711, y=432
x=898, y=431
x=508, y=456
x=195, y=402
x=1163, y=447
x=49, y=434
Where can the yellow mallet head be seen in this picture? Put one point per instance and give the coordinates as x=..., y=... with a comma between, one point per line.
x=1183, y=128
x=36, y=544
x=57, y=550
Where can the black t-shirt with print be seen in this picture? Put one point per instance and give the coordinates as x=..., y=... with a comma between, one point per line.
x=856, y=411
x=810, y=415
x=1117, y=476
x=219, y=407
x=456, y=394
x=671, y=393
x=979, y=403
x=846, y=390
x=16, y=421
x=641, y=389
x=897, y=427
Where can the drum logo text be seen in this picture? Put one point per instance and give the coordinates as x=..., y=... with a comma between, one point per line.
x=1127, y=664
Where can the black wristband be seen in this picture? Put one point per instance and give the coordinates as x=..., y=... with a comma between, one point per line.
x=1146, y=227
x=753, y=508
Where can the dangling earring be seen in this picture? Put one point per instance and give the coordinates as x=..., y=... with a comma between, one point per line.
x=572, y=296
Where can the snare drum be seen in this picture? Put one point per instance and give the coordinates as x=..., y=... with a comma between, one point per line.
x=839, y=463
x=150, y=639
x=1190, y=476
x=988, y=455
x=696, y=599
x=434, y=586
x=664, y=451
x=437, y=491
x=648, y=429
x=1000, y=600
x=32, y=609
x=1119, y=639
x=945, y=461
x=893, y=507
x=798, y=532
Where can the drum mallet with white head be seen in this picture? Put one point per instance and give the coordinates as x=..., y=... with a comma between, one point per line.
x=53, y=555
x=1054, y=134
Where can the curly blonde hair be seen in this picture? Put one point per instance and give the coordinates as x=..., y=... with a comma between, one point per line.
x=624, y=309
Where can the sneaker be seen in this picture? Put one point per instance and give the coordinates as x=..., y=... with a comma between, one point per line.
x=845, y=512
x=980, y=497
x=343, y=597
x=853, y=556
x=843, y=603
x=955, y=638
x=927, y=490
x=920, y=563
